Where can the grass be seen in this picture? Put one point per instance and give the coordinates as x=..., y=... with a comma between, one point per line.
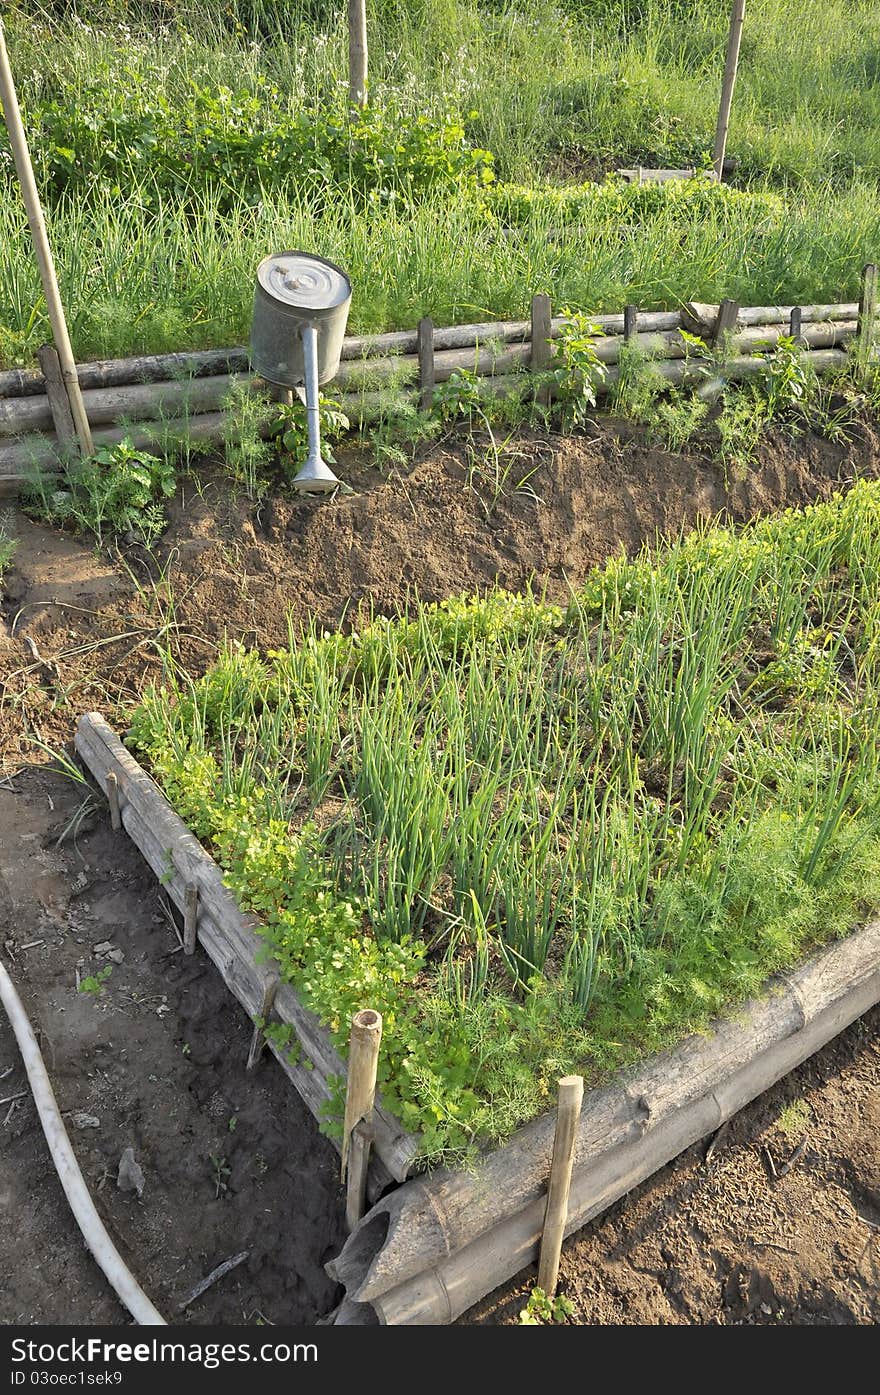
x=555, y=91
x=580, y=830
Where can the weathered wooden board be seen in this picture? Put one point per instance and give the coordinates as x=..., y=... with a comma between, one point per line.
x=229, y=936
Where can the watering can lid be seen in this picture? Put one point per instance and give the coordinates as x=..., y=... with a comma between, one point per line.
x=303, y=280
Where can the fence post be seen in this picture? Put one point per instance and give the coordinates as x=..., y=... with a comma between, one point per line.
x=542, y=348
x=867, y=320
x=357, y=1128
x=425, y=350
x=630, y=320
x=568, y=1108
x=59, y=404
x=725, y=323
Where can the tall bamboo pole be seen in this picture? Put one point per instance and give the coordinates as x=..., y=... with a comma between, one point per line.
x=37, y=222
x=737, y=15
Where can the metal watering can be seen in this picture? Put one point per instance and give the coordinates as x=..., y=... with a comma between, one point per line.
x=301, y=305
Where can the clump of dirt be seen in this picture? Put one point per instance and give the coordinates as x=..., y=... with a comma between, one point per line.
x=235, y=1163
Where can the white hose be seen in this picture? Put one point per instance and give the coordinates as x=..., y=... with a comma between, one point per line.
x=104, y=1251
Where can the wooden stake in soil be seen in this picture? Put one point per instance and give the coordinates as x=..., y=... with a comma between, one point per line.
x=37, y=223
x=737, y=15
x=113, y=801
x=568, y=1109
x=795, y=323
x=542, y=348
x=258, y=1040
x=425, y=349
x=190, y=917
x=867, y=321
x=59, y=404
x=363, y=1061
x=725, y=323
x=630, y=317
x=357, y=53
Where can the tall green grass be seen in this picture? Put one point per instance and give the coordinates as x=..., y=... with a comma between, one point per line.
x=555, y=90
x=137, y=280
x=634, y=809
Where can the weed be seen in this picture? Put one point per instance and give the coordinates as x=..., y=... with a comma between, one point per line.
x=541, y=1310
x=577, y=369
x=289, y=431
x=794, y=1118
x=119, y=490
x=96, y=984
x=220, y=1170
x=7, y=548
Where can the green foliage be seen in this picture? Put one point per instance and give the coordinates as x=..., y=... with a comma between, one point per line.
x=7, y=548
x=238, y=144
x=577, y=370
x=177, y=143
x=119, y=490
x=794, y=1119
x=541, y=1310
x=676, y=202
x=96, y=984
x=289, y=431
x=582, y=830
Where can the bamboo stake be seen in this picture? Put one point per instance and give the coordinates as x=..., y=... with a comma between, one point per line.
x=357, y=53
x=568, y=1109
x=37, y=223
x=737, y=15
x=363, y=1061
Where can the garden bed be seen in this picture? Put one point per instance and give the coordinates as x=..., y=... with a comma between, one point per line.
x=586, y=828
x=226, y=565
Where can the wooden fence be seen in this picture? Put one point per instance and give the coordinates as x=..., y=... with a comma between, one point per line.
x=162, y=398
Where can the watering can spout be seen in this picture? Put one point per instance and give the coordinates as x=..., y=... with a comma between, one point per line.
x=315, y=475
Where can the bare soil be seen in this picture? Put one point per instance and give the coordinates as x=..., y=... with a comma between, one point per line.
x=235, y=1163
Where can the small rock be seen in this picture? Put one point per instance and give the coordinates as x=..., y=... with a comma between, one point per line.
x=116, y=955
x=104, y=947
x=85, y=1121
x=766, y=1310
x=130, y=1177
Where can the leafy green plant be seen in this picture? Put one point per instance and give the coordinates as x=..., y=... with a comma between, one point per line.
x=117, y=491
x=577, y=369
x=541, y=1310
x=289, y=431
x=96, y=983
x=220, y=1170
x=790, y=381
x=236, y=141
